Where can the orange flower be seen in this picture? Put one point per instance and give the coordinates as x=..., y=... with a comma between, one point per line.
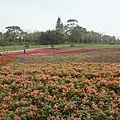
x=88, y=116
x=17, y=118
x=101, y=111
x=112, y=111
x=101, y=103
x=58, y=118
x=110, y=117
x=55, y=106
x=79, y=119
x=30, y=113
x=33, y=107
x=16, y=110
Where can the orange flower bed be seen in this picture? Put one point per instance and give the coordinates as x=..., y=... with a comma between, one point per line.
x=65, y=91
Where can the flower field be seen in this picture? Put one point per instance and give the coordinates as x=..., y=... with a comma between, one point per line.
x=65, y=91
x=60, y=84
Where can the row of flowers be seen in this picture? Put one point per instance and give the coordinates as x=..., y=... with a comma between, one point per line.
x=60, y=51
x=64, y=55
x=36, y=51
x=103, y=55
x=83, y=55
x=65, y=91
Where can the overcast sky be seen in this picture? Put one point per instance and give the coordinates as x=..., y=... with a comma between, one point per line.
x=98, y=15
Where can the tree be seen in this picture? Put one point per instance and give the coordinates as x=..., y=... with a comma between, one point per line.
x=105, y=38
x=36, y=36
x=59, y=25
x=14, y=32
x=108, y=39
x=76, y=34
x=71, y=24
x=91, y=37
x=2, y=40
x=23, y=37
x=74, y=31
x=52, y=38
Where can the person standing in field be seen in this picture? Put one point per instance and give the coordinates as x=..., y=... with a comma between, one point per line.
x=6, y=50
x=24, y=50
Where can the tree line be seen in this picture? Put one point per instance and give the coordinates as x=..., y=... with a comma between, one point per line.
x=69, y=33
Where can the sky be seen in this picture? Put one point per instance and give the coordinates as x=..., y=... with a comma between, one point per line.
x=101, y=16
